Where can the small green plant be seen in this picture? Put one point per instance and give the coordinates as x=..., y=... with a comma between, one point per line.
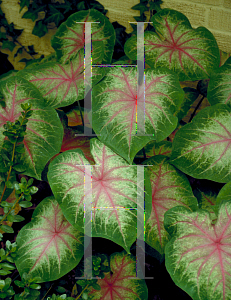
x=100, y=267
x=7, y=257
x=10, y=163
x=30, y=287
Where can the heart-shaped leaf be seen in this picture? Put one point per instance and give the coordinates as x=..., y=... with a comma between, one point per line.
x=198, y=256
x=219, y=88
x=119, y=284
x=61, y=84
x=44, y=132
x=191, y=53
x=114, y=105
x=201, y=148
x=170, y=188
x=70, y=37
x=49, y=246
x=114, y=185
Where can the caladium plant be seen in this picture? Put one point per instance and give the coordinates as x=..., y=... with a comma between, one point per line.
x=120, y=284
x=190, y=229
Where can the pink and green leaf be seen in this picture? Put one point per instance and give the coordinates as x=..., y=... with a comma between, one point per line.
x=61, y=84
x=119, y=284
x=44, y=132
x=49, y=246
x=198, y=256
x=219, y=88
x=191, y=53
x=115, y=102
x=170, y=188
x=201, y=148
x=70, y=37
x=114, y=185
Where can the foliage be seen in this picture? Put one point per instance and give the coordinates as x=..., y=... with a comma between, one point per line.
x=54, y=14
x=105, y=173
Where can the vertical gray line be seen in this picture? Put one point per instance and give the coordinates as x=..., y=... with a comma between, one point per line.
x=87, y=223
x=87, y=79
x=140, y=81
x=140, y=246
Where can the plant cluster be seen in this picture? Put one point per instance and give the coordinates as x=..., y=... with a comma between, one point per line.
x=188, y=228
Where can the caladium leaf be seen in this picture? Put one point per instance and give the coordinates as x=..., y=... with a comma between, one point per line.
x=219, y=88
x=114, y=185
x=70, y=37
x=191, y=53
x=114, y=104
x=44, y=132
x=119, y=284
x=224, y=194
x=190, y=97
x=8, y=74
x=170, y=188
x=153, y=148
x=61, y=85
x=198, y=255
x=49, y=246
x=201, y=148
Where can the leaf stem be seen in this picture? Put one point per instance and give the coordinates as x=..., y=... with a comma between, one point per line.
x=193, y=114
x=81, y=114
x=6, y=255
x=47, y=291
x=82, y=291
x=144, y=153
x=9, y=172
x=12, y=159
x=5, y=216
